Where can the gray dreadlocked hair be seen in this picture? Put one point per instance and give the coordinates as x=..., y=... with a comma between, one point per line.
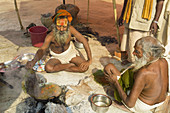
x=151, y=47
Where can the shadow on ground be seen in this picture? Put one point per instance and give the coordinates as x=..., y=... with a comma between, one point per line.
x=17, y=38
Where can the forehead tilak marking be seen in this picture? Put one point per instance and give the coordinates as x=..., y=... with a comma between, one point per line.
x=62, y=22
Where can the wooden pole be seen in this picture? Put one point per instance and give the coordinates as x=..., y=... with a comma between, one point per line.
x=115, y=15
x=16, y=9
x=63, y=1
x=88, y=11
x=74, y=2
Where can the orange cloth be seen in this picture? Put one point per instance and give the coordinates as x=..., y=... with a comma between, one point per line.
x=127, y=12
x=62, y=12
x=147, y=9
x=146, y=13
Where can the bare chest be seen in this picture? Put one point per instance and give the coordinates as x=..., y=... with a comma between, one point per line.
x=56, y=48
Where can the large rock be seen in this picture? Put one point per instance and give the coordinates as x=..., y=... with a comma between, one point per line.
x=35, y=85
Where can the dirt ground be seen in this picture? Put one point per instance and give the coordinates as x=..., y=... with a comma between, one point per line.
x=13, y=42
x=101, y=15
x=100, y=19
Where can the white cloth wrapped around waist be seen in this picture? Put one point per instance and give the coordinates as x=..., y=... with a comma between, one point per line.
x=141, y=106
x=67, y=55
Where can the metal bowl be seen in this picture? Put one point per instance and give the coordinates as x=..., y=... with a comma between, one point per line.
x=18, y=61
x=78, y=44
x=25, y=58
x=100, y=103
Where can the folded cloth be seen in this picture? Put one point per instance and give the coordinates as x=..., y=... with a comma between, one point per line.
x=39, y=66
x=141, y=106
x=126, y=82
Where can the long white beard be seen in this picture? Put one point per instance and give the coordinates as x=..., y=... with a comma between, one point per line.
x=140, y=62
x=61, y=36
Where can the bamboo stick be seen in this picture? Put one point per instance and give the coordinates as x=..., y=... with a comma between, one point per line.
x=16, y=9
x=88, y=11
x=117, y=27
x=74, y=2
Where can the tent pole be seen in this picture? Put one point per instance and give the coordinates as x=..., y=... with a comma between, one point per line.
x=117, y=27
x=63, y=1
x=88, y=11
x=74, y=2
x=16, y=9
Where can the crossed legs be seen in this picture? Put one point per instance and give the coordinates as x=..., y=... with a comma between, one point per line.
x=54, y=65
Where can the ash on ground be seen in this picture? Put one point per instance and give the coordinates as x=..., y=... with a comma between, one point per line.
x=30, y=105
x=84, y=29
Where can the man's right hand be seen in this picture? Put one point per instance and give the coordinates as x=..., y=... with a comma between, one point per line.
x=30, y=64
x=153, y=28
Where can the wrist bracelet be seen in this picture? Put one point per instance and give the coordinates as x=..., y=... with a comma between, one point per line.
x=155, y=21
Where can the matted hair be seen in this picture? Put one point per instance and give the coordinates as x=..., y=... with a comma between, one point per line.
x=151, y=46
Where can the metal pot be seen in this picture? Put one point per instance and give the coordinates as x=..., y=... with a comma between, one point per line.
x=100, y=103
x=26, y=57
x=78, y=44
x=46, y=20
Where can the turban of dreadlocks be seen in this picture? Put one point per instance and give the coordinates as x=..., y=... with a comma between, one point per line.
x=62, y=13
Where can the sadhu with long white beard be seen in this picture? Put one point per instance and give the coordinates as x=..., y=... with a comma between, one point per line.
x=149, y=84
x=64, y=55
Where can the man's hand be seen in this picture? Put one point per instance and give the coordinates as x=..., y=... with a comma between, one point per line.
x=153, y=28
x=111, y=73
x=110, y=77
x=30, y=64
x=85, y=65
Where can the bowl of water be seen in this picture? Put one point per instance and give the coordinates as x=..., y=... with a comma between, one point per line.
x=100, y=103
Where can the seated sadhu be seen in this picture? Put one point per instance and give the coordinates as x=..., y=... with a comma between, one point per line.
x=149, y=84
x=64, y=56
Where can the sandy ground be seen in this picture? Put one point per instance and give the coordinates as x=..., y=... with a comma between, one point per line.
x=13, y=43
x=101, y=17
